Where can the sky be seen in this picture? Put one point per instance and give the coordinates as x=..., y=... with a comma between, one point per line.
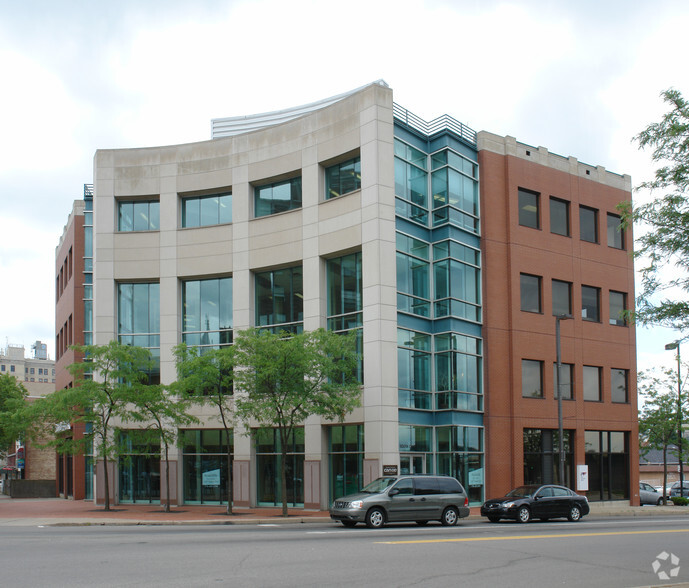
x=581, y=78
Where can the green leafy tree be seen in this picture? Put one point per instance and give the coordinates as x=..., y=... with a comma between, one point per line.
x=162, y=414
x=12, y=401
x=120, y=373
x=207, y=378
x=664, y=247
x=283, y=379
x=658, y=417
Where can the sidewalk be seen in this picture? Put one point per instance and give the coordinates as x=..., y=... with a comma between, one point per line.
x=58, y=511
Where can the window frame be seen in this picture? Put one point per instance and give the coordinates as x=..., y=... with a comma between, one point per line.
x=295, y=203
x=594, y=211
x=615, y=234
x=568, y=223
x=524, y=215
x=152, y=212
x=356, y=162
x=526, y=289
x=617, y=320
x=569, y=296
x=597, y=318
x=539, y=363
x=586, y=391
x=625, y=376
x=565, y=367
x=186, y=200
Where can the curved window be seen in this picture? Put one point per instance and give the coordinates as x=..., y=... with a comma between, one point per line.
x=202, y=211
x=277, y=197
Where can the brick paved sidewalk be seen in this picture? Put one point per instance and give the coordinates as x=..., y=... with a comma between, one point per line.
x=61, y=511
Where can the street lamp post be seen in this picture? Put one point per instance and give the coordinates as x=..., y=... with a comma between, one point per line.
x=561, y=442
x=669, y=346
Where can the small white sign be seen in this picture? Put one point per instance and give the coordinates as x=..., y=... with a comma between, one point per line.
x=582, y=477
x=476, y=477
x=211, y=478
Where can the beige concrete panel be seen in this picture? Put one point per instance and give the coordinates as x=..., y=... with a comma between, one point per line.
x=104, y=158
x=206, y=182
x=344, y=142
x=140, y=157
x=137, y=187
x=276, y=255
x=344, y=241
x=204, y=266
x=138, y=270
x=287, y=164
x=204, y=165
x=340, y=206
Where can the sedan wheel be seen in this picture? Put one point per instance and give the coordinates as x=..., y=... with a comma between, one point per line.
x=574, y=514
x=523, y=514
x=375, y=518
x=450, y=516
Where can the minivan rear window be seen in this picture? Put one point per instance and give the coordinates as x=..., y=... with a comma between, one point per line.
x=450, y=486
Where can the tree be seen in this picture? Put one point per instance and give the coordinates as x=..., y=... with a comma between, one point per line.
x=665, y=246
x=207, y=378
x=12, y=399
x=119, y=374
x=283, y=379
x=658, y=416
x=163, y=414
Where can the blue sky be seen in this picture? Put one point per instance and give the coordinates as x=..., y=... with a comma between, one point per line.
x=581, y=78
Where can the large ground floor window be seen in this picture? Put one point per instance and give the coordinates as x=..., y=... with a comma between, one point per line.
x=269, y=462
x=460, y=455
x=607, y=456
x=542, y=457
x=139, y=469
x=204, y=456
x=346, y=456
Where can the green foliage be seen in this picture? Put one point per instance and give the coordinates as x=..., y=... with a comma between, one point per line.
x=12, y=404
x=658, y=417
x=680, y=500
x=665, y=246
x=286, y=378
x=119, y=378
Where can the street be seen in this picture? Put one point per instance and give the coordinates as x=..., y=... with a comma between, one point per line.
x=610, y=552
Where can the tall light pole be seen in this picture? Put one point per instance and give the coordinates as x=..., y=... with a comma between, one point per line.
x=561, y=441
x=669, y=346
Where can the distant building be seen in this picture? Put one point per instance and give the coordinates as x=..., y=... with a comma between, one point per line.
x=448, y=252
x=37, y=375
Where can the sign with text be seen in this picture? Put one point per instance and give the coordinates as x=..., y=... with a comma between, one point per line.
x=390, y=470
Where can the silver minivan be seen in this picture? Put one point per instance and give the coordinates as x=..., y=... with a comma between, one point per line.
x=416, y=497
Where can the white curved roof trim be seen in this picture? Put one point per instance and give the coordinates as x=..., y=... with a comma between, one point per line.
x=236, y=125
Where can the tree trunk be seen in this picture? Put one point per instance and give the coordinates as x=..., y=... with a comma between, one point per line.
x=107, y=483
x=229, y=475
x=167, y=479
x=283, y=479
x=664, y=474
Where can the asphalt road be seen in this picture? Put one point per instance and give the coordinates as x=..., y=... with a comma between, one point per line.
x=594, y=552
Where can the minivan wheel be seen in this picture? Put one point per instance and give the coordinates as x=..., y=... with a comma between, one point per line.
x=450, y=516
x=574, y=514
x=375, y=518
x=523, y=514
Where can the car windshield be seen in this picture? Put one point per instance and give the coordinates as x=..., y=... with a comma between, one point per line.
x=523, y=491
x=378, y=485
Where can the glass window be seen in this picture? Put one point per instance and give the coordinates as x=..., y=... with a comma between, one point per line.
x=532, y=378
x=269, y=463
x=413, y=276
x=618, y=385
x=529, y=209
x=566, y=371
x=562, y=298
x=530, y=290
x=458, y=372
x=201, y=211
x=344, y=291
x=280, y=300
x=207, y=312
x=592, y=383
x=346, y=459
x=559, y=216
x=414, y=369
x=590, y=303
x=615, y=232
x=618, y=304
x=205, y=465
x=277, y=197
x=411, y=180
x=343, y=178
x=542, y=456
x=138, y=320
x=138, y=215
x=588, y=224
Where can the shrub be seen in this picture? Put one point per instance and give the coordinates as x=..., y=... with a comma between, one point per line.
x=680, y=500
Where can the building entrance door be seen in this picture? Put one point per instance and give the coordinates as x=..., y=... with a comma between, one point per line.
x=413, y=463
